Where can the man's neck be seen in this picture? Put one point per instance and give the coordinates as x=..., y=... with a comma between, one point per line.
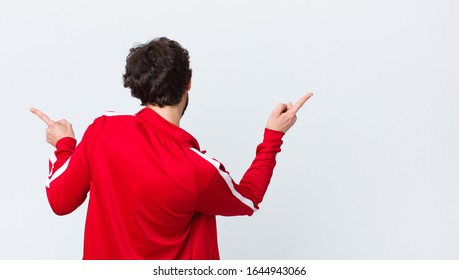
x=171, y=114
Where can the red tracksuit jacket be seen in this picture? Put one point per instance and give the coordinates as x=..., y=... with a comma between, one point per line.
x=152, y=193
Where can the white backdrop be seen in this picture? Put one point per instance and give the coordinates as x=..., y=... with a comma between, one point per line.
x=370, y=170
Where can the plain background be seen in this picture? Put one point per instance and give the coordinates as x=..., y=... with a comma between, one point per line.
x=370, y=170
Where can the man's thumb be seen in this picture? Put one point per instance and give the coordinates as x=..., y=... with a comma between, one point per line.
x=280, y=108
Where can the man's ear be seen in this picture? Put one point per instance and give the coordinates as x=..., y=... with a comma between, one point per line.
x=188, y=86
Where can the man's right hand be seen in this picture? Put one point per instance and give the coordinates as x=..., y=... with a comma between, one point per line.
x=55, y=130
x=284, y=115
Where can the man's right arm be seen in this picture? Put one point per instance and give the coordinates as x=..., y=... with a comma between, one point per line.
x=219, y=194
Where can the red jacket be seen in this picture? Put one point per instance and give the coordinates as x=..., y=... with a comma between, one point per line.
x=153, y=193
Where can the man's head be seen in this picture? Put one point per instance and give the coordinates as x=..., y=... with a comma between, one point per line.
x=158, y=72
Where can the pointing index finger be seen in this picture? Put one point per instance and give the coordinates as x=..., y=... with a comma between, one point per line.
x=42, y=116
x=301, y=102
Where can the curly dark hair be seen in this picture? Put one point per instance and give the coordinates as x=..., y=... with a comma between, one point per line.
x=158, y=72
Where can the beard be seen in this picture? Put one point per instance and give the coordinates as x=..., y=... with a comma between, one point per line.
x=186, y=105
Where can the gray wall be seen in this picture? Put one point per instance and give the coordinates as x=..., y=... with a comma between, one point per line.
x=370, y=170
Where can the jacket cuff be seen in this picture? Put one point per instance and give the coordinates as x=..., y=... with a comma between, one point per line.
x=66, y=143
x=274, y=134
x=273, y=138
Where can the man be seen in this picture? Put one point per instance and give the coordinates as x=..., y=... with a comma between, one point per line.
x=153, y=193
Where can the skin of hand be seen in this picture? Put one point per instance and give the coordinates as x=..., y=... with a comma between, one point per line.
x=56, y=130
x=283, y=117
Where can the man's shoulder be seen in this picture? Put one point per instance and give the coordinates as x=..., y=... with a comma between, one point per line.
x=111, y=120
x=115, y=114
x=112, y=116
x=108, y=125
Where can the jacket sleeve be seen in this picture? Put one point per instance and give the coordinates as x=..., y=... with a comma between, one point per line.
x=69, y=178
x=219, y=194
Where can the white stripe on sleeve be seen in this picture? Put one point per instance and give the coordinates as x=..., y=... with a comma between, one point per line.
x=58, y=172
x=53, y=160
x=227, y=179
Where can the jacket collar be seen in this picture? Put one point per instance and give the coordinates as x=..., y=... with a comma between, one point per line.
x=156, y=122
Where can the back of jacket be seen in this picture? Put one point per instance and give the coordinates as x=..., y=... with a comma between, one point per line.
x=153, y=193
